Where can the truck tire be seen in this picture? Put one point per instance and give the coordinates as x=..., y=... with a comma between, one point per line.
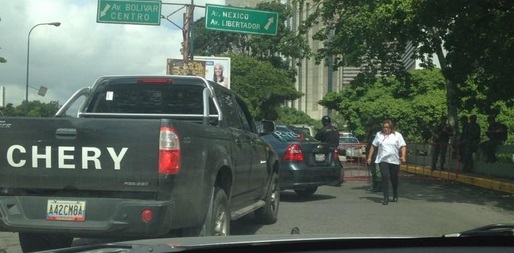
x=268, y=214
x=218, y=221
x=31, y=242
x=306, y=192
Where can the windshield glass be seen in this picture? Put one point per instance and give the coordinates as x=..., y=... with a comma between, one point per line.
x=376, y=118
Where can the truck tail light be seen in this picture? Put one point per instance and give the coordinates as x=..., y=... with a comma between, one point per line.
x=293, y=153
x=169, y=152
x=155, y=81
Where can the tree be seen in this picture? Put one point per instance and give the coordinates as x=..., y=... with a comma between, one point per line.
x=209, y=42
x=263, y=87
x=31, y=109
x=414, y=105
x=262, y=47
x=259, y=71
x=476, y=35
x=287, y=115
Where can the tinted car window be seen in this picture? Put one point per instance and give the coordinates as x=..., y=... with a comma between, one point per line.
x=150, y=98
x=229, y=106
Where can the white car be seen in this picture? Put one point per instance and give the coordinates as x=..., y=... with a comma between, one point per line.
x=351, y=148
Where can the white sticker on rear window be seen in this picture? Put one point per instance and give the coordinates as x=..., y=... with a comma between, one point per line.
x=109, y=95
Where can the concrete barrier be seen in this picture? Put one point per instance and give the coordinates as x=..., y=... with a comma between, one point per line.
x=471, y=179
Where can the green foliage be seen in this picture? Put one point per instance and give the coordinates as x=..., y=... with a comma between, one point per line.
x=287, y=115
x=285, y=43
x=481, y=45
x=477, y=36
x=31, y=109
x=263, y=87
x=413, y=105
x=259, y=72
x=266, y=48
x=210, y=42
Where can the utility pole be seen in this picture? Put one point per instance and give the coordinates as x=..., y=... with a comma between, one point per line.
x=187, y=28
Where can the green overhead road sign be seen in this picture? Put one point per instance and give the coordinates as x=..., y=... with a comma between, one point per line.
x=138, y=12
x=242, y=20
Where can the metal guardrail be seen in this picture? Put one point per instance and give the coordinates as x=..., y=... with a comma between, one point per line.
x=420, y=155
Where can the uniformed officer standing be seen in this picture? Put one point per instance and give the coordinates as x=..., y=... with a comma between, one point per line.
x=328, y=133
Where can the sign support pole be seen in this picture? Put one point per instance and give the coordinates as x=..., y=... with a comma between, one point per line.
x=187, y=28
x=187, y=54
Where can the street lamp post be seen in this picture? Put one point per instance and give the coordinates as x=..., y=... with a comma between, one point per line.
x=28, y=53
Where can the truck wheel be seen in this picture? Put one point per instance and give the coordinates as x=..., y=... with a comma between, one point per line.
x=218, y=222
x=31, y=242
x=306, y=192
x=268, y=213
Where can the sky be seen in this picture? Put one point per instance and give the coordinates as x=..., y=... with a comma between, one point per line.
x=79, y=51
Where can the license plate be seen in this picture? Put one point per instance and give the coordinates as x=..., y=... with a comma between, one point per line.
x=66, y=210
x=319, y=157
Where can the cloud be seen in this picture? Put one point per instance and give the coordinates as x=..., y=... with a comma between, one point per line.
x=75, y=54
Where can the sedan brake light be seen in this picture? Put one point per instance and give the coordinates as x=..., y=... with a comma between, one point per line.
x=293, y=153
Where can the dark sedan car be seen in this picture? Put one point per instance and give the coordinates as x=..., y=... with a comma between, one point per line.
x=305, y=163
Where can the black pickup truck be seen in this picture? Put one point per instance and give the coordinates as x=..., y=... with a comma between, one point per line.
x=145, y=156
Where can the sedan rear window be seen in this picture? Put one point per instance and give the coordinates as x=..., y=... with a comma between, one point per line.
x=291, y=134
x=348, y=140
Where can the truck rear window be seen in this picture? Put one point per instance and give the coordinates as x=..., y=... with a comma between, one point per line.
x=149, y=98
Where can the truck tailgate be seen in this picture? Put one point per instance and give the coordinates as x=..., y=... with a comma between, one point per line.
x=79, y=154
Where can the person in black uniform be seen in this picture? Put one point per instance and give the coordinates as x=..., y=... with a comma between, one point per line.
x=440, y=137
x=328, y=133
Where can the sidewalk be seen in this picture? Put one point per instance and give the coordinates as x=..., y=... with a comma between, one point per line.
x=491, y=183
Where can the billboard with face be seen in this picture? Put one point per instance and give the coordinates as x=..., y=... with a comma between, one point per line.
x=217, y=69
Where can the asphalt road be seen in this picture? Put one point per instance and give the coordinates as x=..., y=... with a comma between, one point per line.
x=426, y=207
